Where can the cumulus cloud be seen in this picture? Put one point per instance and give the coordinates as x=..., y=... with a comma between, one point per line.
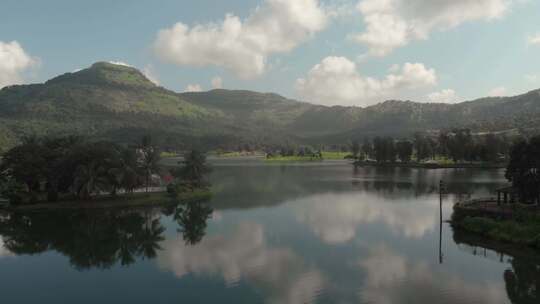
x=217, y=82
x=151, y=74
x=193, y=88
x=498, y=91
x=337, y=81
x=14, y=61
x=245, y=255
x=243, y=46
x=444, y=96
x=534, y=40
x=390, y=24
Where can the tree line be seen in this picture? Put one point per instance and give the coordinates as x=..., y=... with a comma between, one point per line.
x=72, y=167
x=459, y=145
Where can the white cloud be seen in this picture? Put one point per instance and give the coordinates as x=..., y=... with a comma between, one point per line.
x=336, y=81
x=534, y=40
x=444, y=96
x=151, y=74
x=120, y=63
x=13, y=62
x=245, y=255
x=394, y=23
x=193, y=88
x=243, y=46
x=217, y=82
x=498, y=91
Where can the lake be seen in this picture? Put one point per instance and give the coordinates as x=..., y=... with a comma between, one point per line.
x=273, y=233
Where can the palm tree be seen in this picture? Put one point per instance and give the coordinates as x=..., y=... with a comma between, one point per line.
x=90, y=178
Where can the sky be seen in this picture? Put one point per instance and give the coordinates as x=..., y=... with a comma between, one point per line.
x=330, y=52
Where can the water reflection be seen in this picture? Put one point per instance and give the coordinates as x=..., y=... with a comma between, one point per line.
x=89, y=239
x=334, y=217
x=394, y=278
x=191, y=219
x=3, y=251
x=244, y=254
x=278, y=234
x=99, y=239
x=522, y=278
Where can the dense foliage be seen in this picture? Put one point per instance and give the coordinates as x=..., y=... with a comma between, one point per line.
x=191, y=175
x=458, y=145
x=524, y=169
x=48, y=168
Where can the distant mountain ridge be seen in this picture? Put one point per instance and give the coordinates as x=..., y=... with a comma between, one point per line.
x=118, y=102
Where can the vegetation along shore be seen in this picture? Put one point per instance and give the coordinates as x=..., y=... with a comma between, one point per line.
x=514, y=216
x=74, y=172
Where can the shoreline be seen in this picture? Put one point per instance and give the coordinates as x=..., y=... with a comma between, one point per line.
x=515, y=224
x=133, y=200
x=431, y=165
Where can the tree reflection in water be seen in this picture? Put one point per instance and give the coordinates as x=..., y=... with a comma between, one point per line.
x=99, y=239
x=522, y=279
x=191, y=219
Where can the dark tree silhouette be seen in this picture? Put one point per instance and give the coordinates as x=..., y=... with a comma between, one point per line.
x=193, y=172
x=524, y=169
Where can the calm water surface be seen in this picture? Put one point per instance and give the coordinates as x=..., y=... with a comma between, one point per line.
x=311, y=233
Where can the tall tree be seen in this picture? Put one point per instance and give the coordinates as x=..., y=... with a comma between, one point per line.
x=193, y=172
x=404, y=150
x=367, y=148
x=149, y=160
x=355, y=148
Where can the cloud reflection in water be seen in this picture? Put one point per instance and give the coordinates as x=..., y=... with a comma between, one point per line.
x=334, y=217
x=245, y=255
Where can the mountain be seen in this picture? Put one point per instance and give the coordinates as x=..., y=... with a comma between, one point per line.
x=118, y=102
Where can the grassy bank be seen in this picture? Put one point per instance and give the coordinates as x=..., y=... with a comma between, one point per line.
x=522, y=227
x=326, y=155
x=120, y=201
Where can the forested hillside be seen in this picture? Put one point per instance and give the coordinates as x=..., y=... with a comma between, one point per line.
x=119, y=103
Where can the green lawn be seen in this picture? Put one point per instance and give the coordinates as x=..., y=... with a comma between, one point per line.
x=334, y=155
x=292, y=158
x=328, y=155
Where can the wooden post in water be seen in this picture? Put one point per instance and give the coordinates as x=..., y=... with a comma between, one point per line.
x=441, y=191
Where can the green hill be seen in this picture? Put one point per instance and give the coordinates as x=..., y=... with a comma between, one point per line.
x=119, y=103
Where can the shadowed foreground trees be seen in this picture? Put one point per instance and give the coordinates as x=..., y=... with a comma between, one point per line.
x=524, y=169
x=47, y=168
